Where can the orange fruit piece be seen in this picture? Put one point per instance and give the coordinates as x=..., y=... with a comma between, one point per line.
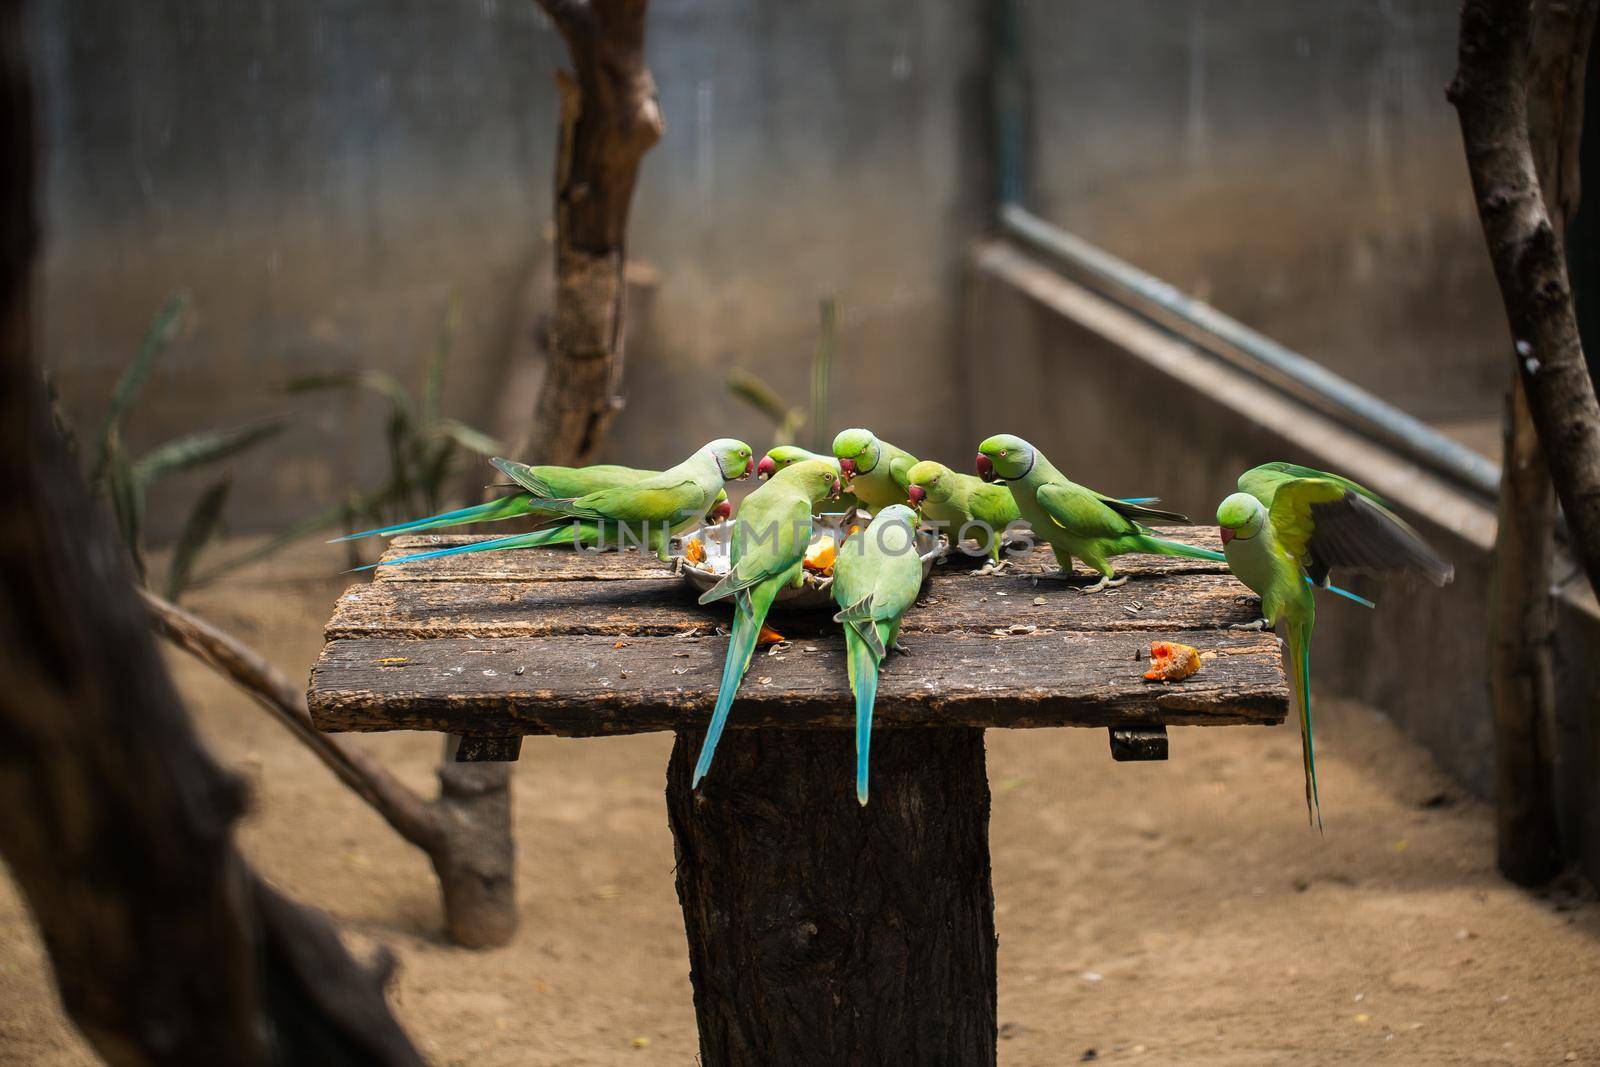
x=1171, y=662
x=695, y=551
x=768, y=636
x=821, y=555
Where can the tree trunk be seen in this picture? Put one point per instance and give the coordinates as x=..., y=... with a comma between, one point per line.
x=466, y=833
x=1522, y=620
x=1490, y=95
x=114, y=821
x=609, y=119
x=821, y=931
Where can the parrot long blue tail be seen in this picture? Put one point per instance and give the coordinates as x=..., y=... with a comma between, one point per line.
x=1299, y=634
x=556, y=535
x=1160, y=546
x=1347, y=594
x=863, y=667
x=741, y=645
x=506, y=507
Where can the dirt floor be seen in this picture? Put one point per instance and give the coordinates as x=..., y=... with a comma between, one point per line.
x=1176, y=912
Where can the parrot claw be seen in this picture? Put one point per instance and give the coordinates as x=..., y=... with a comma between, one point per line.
x=1255, y=627
x=994, y=567
x=1103, y=583
x=824, y=583
x=902, y=649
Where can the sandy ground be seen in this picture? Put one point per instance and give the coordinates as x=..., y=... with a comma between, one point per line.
x=1177, y=912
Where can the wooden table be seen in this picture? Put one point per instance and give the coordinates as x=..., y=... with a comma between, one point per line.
x=819, y=931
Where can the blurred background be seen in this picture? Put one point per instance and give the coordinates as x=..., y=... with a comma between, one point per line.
x=324, y=178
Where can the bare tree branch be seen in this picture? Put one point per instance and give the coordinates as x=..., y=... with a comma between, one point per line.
x=1489, y=93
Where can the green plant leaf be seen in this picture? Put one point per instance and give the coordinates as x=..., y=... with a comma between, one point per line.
x=127, y=499
x=203, y=523
x=761, y=396
x=376, y=381
x=433, y=385
x=198, y=449
x=822, y=373
x=162, y=329
x=470, y=439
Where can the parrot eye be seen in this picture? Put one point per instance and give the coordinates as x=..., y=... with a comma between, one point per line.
x=1002, y=453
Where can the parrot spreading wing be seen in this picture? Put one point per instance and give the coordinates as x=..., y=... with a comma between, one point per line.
x=766, y=553
x=1326, y=523
x=876, y=580
x=1310, y=524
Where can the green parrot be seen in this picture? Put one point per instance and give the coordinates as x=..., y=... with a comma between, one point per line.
x=564, y=482
x=1076, y=521
x=1282, y=534
x=766, y=553
x=956, y=500
x=875, y=471
x=648, y=512
x=783, y=456
x=876, y=578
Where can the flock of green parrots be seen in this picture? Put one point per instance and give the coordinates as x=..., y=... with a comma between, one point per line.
x=1282, y=533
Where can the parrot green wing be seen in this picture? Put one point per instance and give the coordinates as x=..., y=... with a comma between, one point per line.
x=1264, y=481
x=664, y=498
x=1322, y=525
x=525, y=476
x=1082, y=513
x=1142, y=513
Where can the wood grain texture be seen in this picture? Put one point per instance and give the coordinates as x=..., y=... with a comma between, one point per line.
x=586, y=685
x=664, y=606
x=846, y=934
x=616, y=644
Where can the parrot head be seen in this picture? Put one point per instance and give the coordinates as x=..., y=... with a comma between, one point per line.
x=780, y=457
x=815, y=476
x=1240, y=515
x=1004, y=458
x=732, y=456
x=927, y=479
x=857, y=451
x=721, y=508
x=900, y=519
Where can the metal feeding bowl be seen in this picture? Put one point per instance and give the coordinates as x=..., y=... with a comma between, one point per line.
x=813, y=592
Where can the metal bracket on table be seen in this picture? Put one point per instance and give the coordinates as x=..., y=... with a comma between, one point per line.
x=488, y=749
x=1138, y=743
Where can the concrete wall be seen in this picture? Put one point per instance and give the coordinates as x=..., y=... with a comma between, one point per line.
x=1293, y=162
x=322, y=176
x=1131, y=410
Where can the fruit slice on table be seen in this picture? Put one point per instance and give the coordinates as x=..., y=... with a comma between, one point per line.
x=1171, y=662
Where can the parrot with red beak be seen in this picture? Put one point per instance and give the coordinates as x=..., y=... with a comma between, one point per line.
x=875, y=471
x=966, y=507
x=1282, y=534
x=1076, y=521
x=782, y=457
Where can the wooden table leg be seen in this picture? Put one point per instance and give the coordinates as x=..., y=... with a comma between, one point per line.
x=824, y=932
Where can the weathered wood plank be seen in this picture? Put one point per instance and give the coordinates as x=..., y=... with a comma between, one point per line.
x=566, y=564
x=645, y=607
x=584, y=685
